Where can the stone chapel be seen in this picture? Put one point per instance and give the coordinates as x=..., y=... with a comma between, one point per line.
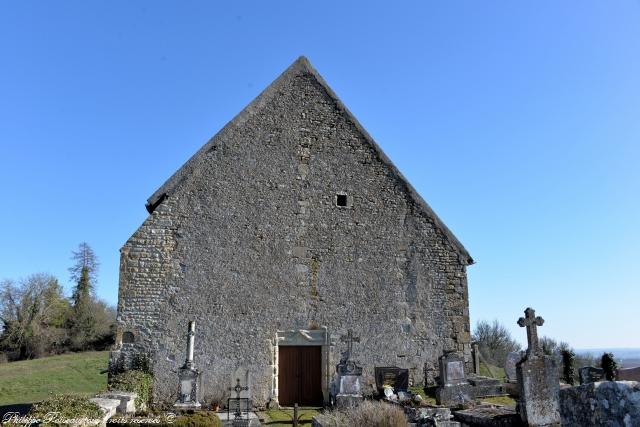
x=285, y=230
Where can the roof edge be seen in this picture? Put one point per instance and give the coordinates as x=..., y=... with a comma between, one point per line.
x=462, y=251
x=301, y=66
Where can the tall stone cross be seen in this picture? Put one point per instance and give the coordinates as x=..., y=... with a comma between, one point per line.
x=531, y=322
x=350, y=339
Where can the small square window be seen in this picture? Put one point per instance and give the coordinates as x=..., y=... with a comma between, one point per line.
x=341, y=200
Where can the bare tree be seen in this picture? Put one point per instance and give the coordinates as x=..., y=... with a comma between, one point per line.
x=85, y=260
x=33, y=314
x=494, y=341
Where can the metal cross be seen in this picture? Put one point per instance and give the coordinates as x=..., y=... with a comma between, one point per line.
x=531, y=322
x=238, y=388
x=350, y=339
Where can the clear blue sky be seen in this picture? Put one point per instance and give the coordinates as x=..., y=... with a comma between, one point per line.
x=519, y=123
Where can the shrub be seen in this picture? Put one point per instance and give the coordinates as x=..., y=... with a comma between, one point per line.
x=136, y=382
x=142, y=362
x=610, y=366
x=66, y=407
x=368, y=413
x=568, y=362
x=197, y=419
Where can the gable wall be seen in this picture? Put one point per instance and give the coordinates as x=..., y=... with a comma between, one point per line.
x=252, y=243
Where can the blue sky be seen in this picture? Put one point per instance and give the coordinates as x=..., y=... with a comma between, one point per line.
x=519, y=123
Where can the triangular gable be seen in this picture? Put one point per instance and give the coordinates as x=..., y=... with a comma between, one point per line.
x=300, y=67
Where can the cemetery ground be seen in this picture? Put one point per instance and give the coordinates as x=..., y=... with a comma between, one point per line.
x=30, y=381
x=284, y=416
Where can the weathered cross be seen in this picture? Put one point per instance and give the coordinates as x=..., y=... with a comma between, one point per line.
x=350, y=339
x=531, y=322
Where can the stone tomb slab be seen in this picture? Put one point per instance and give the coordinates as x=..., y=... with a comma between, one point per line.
x=489, y=416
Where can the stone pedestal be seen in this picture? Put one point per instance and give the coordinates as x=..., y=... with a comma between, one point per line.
x=539, y=390
x=188, y=389
x=127, y=400
x=189, y=376
x=350, y=391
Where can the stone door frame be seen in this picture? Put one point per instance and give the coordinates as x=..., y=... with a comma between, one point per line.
x=302, y=337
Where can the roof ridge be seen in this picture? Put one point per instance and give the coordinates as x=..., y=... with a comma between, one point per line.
x=300, y=66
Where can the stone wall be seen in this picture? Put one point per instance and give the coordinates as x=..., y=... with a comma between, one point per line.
x=252, y=242
x=607, y=403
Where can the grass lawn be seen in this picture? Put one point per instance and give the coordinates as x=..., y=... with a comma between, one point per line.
x=492, y=371
x=30, y=381
x=284, y=417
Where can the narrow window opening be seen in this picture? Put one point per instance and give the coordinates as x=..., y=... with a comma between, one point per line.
x=341, y=200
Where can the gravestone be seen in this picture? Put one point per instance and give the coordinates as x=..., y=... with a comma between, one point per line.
x=510, y=366
x=452, y=369
x=240, y=406
x=188, y=376
x=538, y=379
x=590, y=374
x=628, y=374
x=349, y=376
x=391, y=376
x=454, y=389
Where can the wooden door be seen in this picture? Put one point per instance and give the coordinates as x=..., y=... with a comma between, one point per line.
x=300, y=375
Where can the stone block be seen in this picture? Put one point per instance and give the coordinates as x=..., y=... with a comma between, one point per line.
x=348, y=400
x=127, y=400
x=108, y=407
x=454, y=394
x=606, y=403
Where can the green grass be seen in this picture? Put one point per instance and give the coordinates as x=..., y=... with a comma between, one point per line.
x=487, y=370
x=428, y=397
x=284, y=417
x=30, y=381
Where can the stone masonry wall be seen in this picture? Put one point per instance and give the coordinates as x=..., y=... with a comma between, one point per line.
x=252, y=242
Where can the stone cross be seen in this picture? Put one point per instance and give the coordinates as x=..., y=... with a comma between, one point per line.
x=190, y=339
x=350, y=339
x=531, y=322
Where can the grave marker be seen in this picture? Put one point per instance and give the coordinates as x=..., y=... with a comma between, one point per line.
x=538, y=380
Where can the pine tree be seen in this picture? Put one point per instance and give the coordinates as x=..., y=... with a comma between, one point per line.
x=84, y=273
